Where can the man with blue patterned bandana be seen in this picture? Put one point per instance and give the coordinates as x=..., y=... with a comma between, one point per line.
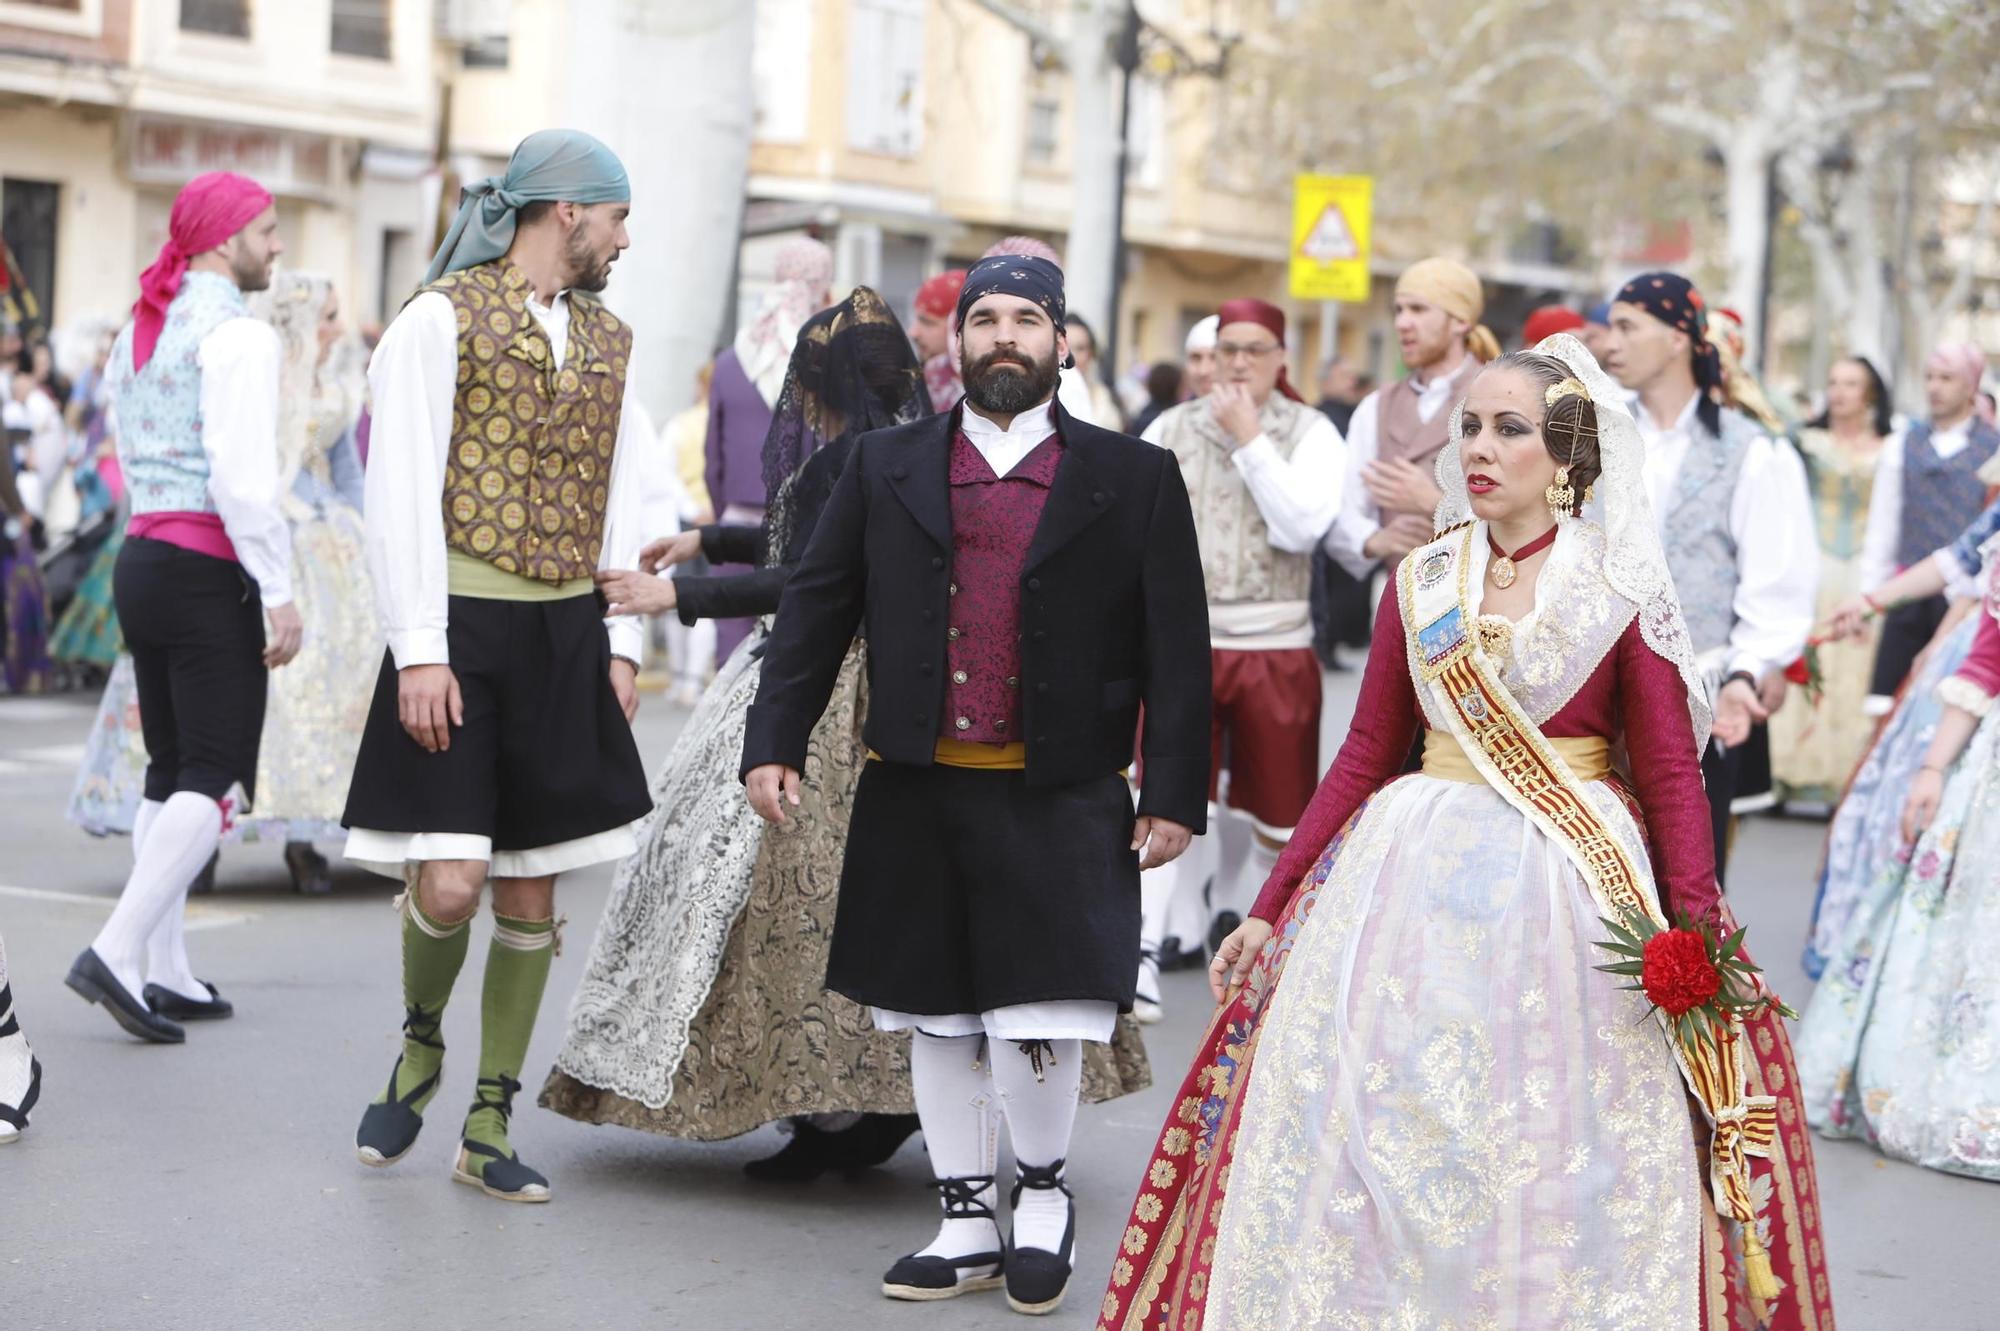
x=1734, y=513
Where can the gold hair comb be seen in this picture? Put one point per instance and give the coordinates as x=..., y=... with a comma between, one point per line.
x=1567, y=388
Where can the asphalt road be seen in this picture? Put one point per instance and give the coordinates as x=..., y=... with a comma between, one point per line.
x=214, y=1185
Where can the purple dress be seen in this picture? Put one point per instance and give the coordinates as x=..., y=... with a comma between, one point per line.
x=738, y=419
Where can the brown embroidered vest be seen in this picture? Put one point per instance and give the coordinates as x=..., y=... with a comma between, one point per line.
x=1401, y=432
x=528, y=474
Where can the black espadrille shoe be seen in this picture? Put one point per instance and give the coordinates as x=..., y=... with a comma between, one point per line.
x=1037, y=1279
x=489, y=1162
x=926, y=1279
x=389, y=1127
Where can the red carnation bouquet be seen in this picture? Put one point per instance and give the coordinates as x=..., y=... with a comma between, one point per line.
x=1698, y=980
x=1807, y=673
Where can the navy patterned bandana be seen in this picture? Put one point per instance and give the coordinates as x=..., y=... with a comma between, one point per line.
x=1014, y=275
x=1673, y=300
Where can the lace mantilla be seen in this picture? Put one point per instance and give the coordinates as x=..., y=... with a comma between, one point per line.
x=1634, y=565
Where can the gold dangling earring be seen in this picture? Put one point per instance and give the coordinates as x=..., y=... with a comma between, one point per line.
x=1561, y=496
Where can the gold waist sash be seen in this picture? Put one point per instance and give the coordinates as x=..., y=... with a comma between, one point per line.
x=1588, y=757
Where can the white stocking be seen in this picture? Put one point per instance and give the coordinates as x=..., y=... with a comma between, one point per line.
x=1040, y=1104
x=954, y=1093
x=1238, y=891
x=16, y=1062
x=1185, y=912
x=166, y=946
x=178, y=842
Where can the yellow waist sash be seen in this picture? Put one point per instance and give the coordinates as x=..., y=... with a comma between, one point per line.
x=467, y=575
x=985, y=757
x=1588, y=757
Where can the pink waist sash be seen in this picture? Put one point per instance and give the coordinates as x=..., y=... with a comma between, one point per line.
x=202, y=533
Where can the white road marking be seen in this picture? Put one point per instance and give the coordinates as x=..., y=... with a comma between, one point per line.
x=200, y=914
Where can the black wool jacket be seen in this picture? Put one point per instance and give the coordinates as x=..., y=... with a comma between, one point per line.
x=1113, y=615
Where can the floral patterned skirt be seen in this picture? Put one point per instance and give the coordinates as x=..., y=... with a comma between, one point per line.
x=1455, y=1120
x=1901, y=1045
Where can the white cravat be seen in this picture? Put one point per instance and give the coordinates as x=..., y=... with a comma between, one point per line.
x=1004, y=449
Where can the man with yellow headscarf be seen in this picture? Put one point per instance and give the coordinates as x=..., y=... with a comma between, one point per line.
x=1398, y=431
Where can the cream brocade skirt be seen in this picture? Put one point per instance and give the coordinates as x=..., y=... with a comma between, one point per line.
x=1456, y=1122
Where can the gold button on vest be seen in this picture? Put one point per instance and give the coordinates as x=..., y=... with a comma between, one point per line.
x=526, y=476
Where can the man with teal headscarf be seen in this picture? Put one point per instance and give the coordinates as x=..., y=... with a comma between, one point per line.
x=501, y=478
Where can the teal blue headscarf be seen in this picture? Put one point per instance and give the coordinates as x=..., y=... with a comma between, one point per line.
x=564, y=165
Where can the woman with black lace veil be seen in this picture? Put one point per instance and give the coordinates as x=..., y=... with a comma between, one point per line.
x=703, y=1011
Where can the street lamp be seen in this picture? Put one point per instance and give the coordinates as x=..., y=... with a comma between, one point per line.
x=1172, y=60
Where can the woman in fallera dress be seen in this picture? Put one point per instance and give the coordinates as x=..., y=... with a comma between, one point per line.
x=1456, y=1118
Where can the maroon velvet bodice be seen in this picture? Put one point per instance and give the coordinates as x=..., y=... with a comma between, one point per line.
x=993, y=520
x=1634, y=695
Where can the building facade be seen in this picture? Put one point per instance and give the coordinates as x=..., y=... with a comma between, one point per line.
x=107, y=107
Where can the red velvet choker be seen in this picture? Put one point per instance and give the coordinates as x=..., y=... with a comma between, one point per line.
x=1501, y=570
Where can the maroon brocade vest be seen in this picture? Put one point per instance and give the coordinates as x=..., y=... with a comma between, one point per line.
x=993, y=520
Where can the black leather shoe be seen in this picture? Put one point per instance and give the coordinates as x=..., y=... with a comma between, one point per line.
x=179, y=1007
x=926, y=1279
x=90, y=977
x=312, y=876
x=807, y=1155
x=1036, y=1278
x=813, y=1151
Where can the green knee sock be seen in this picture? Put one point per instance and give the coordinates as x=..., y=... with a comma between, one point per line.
x=432, y=956
x=517, y=970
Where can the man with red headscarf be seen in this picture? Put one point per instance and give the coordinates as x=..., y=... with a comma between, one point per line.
x=206, y=563
x=930, y=333
x=1263, y=471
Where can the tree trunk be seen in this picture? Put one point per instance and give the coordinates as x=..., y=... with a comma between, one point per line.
x=668, y=87
x=1746, y=164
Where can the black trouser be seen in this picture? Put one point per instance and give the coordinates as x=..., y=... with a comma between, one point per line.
x=1906, y=630
x=1719, y=770
x=1341, y=615
x=195, y=628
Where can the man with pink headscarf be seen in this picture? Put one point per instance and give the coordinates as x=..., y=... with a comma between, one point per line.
x=1927, y=490
x=206, y=563
x=743, y=393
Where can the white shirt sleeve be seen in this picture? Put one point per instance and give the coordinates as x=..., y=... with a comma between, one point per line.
x=625, y=513
x=1885, y=516
x=1299, y=496
x=239, y=410
x=1358, y=517
x=1777, y=560
x=411, y=381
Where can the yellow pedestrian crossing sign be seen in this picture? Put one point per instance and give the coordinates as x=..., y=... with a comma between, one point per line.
x=1329, y=253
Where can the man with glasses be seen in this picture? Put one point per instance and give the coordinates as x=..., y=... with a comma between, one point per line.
x=1263, y=470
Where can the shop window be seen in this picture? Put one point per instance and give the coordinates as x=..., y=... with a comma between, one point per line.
x=224, y=18
x=28, y=212
x=361, y=28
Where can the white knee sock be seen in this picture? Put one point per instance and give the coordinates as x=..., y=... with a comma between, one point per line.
x=1038, y=1094
x=1185, y=913
x=1239, y=891
x=143, y=823
x=954, y=1094
x=16, y=1060
x=178, y=842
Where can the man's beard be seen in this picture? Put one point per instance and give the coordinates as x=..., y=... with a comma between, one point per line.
x=589, y=273
x=1005, y=392
x=250, y=273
